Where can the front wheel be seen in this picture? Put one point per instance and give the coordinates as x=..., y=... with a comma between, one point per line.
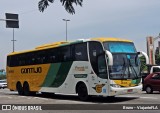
x=82, y=92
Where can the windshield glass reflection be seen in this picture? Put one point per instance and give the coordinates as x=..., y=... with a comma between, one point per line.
x=125, y=66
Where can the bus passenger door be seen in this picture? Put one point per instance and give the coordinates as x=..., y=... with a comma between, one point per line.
x=99, y=79
x=93, y=81
x=102, y=74
x=98, y=76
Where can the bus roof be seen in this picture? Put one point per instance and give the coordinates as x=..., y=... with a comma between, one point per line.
x=58, y=44
x=103, y=39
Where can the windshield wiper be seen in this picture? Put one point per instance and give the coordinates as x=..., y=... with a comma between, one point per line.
x=123, y=68
x=132, y=68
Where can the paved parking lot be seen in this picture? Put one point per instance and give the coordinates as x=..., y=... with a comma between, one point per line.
x=12, y=97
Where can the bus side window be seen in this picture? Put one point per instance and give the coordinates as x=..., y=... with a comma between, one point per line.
x=64, y=54
x=102, y=68
x=8, y=60
x=53, y=56
x=95, y=49
x=80, y=52
x=15, y=60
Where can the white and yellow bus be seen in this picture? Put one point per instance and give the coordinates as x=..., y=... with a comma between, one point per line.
x=97, y=66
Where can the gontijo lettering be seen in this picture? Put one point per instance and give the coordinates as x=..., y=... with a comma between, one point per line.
x=31, y=70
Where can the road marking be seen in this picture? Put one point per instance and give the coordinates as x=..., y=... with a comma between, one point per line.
x=129, y=96
x=33, y=97
x=6, y=97
x=29, y=98
x=22, y=96
x=10, y=97
x=40, y=98
x=149, y=97
x=139, y=97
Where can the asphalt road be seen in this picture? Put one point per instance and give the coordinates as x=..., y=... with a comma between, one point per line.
x=65, y=103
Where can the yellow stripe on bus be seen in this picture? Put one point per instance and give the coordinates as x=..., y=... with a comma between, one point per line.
x=37, y=75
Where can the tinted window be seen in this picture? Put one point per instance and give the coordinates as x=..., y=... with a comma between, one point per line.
x=95, y=49
x=64, y=54
x=76, y=52
x=40, y=57
x=80, y=52
x=8, y=60
x=52, y=56
x=155, y=69
x=102, y=68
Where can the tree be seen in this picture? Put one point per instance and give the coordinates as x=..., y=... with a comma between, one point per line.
x=68, y=5
x=2, y=77
x=157, y=58
x=2, y=70
x=143, y=63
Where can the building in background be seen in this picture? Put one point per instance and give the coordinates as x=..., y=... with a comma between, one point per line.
x=152, y=53
x=150, y=50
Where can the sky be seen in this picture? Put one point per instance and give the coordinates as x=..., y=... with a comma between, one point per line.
x=128, y=19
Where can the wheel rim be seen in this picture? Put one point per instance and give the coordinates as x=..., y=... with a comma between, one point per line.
x=148, y=89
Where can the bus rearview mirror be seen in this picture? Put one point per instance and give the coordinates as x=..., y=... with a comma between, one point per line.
x=110, y=58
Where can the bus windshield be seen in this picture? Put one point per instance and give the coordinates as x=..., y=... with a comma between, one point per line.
x=126, y=64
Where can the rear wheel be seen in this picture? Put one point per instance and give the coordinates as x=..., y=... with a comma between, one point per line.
x=26, y=89
x=19, y=88
x=149, y=90
x=82, y=92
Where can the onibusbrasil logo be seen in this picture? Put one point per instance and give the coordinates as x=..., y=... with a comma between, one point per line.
x=21, y=107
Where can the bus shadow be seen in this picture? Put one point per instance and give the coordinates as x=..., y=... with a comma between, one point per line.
x=91, y=99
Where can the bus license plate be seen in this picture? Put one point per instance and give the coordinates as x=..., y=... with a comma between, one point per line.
x=130, y=90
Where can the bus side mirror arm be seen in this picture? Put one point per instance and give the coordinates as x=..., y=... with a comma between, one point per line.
x=110, y=58
x=145, y=55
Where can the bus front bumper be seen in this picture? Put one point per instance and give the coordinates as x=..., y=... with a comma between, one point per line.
x=125, y=90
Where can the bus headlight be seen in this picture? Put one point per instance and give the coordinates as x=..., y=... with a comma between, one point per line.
x=115, y=85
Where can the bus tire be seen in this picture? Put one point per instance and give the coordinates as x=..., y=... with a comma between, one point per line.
x=19, y=88
x=82, y=92
x=26, y=89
